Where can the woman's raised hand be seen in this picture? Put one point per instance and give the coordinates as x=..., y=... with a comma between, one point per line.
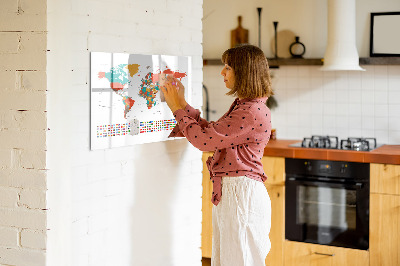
x=181, y=92
x=174, y=93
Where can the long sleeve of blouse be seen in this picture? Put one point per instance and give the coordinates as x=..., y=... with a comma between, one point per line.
x=230, y=131
x=238, y=139
x=193, y=113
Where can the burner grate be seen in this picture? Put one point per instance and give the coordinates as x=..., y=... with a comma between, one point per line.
x=327, y=142
x=358, y=144
x=332, y=142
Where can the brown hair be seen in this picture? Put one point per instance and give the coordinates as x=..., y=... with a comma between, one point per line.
x=250, y=66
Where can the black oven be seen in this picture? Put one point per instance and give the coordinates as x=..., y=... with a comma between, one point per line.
x=327, y=202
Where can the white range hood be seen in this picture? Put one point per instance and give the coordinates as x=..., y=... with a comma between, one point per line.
x=341, y=51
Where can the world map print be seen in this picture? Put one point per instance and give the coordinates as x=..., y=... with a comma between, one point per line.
x=118, y=78
x=125, y=90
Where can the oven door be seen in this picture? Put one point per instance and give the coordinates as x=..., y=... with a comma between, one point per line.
x=327, y=213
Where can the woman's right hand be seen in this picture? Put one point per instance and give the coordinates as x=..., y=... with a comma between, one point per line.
x=181, y=91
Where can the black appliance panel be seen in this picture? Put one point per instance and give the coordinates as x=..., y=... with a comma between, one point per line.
x=327, y=202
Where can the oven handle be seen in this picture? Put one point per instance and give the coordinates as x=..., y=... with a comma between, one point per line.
x=357, y=185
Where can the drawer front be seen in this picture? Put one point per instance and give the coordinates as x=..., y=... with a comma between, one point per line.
x=297, y=254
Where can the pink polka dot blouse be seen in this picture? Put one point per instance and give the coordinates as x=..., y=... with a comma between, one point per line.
x=238, y=139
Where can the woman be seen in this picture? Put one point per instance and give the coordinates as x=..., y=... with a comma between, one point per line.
x=242, y=211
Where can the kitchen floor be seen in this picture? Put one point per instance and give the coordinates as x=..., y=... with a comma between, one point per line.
x=206, y=261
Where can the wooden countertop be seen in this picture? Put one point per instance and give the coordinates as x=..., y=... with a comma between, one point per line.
x=389, y=154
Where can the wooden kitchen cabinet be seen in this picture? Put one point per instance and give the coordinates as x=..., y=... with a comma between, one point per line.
x=206, y=225
x=385, y=178
x=305, y=254
x=384, y=236
x=277, y=233
x=274, y=168
x=385, y=215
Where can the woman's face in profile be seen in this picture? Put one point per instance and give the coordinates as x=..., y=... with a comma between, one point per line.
x=229, y=76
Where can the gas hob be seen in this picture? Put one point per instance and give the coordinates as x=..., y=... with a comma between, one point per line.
x=332, y=142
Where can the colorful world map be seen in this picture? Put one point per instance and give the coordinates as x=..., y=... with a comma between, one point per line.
x=149, y=87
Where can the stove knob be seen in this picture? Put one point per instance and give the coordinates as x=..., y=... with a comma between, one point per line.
x=343, y=168
x=308, y=166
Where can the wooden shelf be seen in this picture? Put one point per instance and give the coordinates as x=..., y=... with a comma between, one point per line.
x=294, y=62
x=380, y=61
x=274, y=63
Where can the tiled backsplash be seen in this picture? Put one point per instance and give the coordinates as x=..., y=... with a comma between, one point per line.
x=314, y=102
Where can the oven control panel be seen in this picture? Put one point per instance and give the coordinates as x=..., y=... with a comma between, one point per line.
x=337, y=169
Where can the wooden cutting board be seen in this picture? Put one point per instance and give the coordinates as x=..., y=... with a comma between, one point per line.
x=239, y=35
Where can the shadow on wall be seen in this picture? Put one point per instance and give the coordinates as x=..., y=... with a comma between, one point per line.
x=153, y=223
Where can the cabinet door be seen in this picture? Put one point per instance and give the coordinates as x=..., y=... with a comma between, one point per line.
x=384, y=230
x=274, y=168
x=206, y=226
x=385, y=178
x=304, y=254
x=277, y=233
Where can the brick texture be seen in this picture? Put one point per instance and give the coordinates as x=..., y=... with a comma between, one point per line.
x=23, y=125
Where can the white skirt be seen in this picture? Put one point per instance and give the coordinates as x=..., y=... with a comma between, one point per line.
x=241, y=223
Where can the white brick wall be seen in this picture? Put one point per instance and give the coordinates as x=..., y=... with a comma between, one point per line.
x=138, y=205
x=23, y=126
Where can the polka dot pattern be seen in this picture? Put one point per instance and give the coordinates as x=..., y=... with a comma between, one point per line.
x=238, y=139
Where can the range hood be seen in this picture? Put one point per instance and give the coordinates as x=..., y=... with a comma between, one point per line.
x=341, y=51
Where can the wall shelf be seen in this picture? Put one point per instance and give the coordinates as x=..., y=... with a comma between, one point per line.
x=380, y=61
x=274, y=63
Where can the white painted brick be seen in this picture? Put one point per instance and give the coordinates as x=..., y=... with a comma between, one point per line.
x=34, y=120
x=137, y=45
x=8, y=237
x=17, y=256
x=25, y=22
x=31, y=54
x=8, y=197
x=197, y=38
x=192, y=48
x=31, y=80
x=23, y=178
x=33, y=239
x=23, y=100
x=5, y=158
x=97, y=173
x=7, y=79
x=196, y=10
x=8, y=6
x=114, y=186
x=79, y=176
x=197, y=61
x=178, y=7
x=9, y=42
x=33, y=199
x=23, y=218
x=101, y=42
x=98, y=222
x=33, y=159
x=80, y=227
x=191, y=23
x=34, y=7
x=33, y=42
x=17, y=139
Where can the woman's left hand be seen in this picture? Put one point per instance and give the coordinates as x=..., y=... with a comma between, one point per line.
x=170, y=90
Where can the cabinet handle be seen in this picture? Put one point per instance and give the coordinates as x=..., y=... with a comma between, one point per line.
x=324, y=254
